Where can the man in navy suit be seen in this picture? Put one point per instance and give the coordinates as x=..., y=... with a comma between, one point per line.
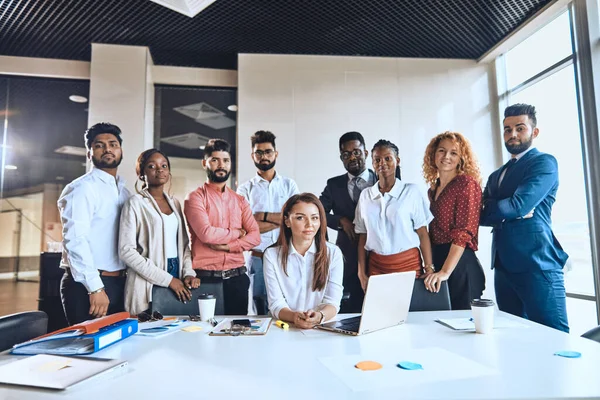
x=517, y=203
x=340, y=197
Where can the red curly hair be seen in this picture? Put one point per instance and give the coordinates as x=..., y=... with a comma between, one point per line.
x=468, y=164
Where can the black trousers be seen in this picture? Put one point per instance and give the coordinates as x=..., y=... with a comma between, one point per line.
x=467, y=281
x=235, y=293
x=76, y=300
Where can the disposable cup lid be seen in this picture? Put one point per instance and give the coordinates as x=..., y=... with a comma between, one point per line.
x=206, y=296
x=482, y=303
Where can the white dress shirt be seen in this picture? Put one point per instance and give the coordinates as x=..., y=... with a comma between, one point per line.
x=364, y=182
x=90, y=210
x=263, y=195
x=294, y=290
x=390, y=219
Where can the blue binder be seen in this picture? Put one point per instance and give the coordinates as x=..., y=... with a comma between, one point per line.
x=75, y=342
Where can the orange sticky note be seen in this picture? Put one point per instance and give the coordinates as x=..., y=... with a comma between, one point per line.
x=368, y=366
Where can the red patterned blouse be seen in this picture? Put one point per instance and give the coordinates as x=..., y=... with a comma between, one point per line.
x=456, y=213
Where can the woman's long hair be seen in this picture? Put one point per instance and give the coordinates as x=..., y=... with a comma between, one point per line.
x=140, y=166
x=321, y=266
x=386, y=144
x=468, y=161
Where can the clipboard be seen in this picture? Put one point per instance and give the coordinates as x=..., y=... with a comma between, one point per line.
x=258, y=327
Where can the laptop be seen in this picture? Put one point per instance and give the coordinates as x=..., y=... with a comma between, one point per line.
x=386, y=304
x=57, y=372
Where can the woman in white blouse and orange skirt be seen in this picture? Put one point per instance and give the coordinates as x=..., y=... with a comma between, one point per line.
x=391, y=221
x=303, y=272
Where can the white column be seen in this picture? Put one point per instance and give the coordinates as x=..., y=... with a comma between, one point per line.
x=122, y=93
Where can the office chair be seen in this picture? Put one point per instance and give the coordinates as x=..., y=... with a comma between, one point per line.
x=21, y=327
x=424, y=300
x=166, y=302
x=593, y=334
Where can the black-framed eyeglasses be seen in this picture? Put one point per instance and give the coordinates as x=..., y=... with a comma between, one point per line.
x=145, y=316
x=344, y=155
x=261, y=153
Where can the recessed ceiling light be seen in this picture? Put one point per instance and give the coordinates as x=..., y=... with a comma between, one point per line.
x=8, y=166
x=78, y=99
x=232, y=107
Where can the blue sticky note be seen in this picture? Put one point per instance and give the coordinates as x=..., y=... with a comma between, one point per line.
x=568, y=354
x=409, y=365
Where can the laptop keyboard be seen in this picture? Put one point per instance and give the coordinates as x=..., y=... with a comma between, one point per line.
x=350, y=324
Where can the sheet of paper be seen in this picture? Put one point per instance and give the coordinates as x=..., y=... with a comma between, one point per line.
x=467, y=324
x=438, y=365
x=258, y=326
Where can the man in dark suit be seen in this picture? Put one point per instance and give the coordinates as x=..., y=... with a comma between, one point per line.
x=340, y=197
x=517, y=203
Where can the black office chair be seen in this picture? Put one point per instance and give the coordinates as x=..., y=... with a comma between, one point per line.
x=424, y=300
x=166, y=302
x=21, y=327
x=593, y=334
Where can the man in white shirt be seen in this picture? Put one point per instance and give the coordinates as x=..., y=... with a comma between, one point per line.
x=267, y=192
x=90, y=209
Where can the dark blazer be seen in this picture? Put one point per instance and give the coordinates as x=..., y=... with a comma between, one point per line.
x=335, y=197
x=524, y=244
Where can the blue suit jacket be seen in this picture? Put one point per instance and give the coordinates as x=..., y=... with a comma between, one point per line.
x=524, y=244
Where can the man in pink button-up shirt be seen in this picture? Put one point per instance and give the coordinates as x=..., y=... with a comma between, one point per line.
x=222, y=227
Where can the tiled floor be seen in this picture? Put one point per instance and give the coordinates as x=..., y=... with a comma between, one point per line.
x=18, y=296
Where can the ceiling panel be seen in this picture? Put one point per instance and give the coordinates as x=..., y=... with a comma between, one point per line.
x=383, y=28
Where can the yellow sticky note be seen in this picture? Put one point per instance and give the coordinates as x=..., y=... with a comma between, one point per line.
x=192, y=328
x=53, y=366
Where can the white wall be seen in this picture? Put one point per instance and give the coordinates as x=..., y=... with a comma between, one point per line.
x=310, y=101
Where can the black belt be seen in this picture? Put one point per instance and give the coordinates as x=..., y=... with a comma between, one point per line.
x=120, y=273
x=230, y=273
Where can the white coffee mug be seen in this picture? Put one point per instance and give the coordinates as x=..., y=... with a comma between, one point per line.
x=206, y=306
x=483, y=315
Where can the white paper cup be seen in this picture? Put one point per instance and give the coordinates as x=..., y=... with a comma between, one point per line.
x=206, y=306
x=483, y=315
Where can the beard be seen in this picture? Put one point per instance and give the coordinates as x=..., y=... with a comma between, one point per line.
x=356, y=168
x=213, y=177
x=264, y=167
x=518, y=148
x=101, y=164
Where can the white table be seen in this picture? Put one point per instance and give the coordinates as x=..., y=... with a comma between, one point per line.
x=285, y=364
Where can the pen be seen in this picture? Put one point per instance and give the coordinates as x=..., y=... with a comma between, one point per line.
x=282, y=325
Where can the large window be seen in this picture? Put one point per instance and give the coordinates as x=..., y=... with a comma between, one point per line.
x=42, y=125
x=544, y=75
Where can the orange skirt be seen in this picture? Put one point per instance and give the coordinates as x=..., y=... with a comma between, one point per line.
x=409, y=260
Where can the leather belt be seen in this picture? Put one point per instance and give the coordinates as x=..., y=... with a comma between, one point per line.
x=119, y=273
x=256, y=253
x=230, y=273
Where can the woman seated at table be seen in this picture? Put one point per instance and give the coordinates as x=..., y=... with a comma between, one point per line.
x=450, y=168
x=391, y=221
x=152, y=237
x=303, y=272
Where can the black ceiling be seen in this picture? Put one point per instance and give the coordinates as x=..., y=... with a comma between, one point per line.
x=389, y=28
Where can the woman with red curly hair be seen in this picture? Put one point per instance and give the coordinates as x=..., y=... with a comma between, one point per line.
x=451, y=169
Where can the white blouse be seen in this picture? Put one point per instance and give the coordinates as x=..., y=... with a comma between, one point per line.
x=390, y=219
x=294, y=290
x=171, y=230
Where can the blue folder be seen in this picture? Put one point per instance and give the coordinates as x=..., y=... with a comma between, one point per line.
x=76, y=342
